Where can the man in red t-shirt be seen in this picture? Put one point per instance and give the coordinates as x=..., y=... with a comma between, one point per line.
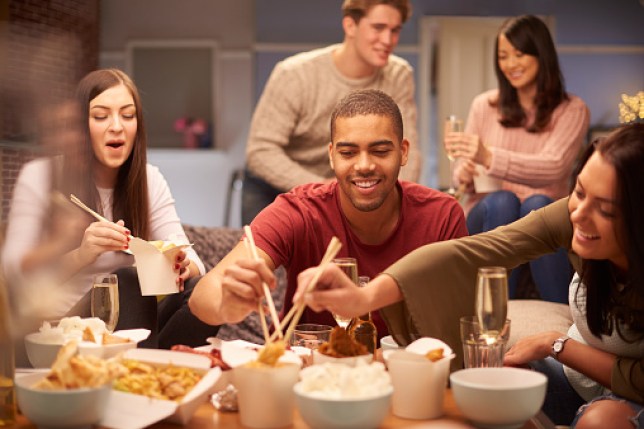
x=377, y=218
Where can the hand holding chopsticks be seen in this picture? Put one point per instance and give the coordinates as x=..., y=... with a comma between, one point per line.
x=250, y=244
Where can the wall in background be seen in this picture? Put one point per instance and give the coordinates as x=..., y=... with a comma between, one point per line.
x=601, y=48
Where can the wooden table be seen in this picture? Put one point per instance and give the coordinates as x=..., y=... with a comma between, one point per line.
x=207, y=417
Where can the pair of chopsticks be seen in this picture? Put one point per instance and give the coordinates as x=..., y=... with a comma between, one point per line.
x=251, y=249
x=74, y=199
x=298, y=308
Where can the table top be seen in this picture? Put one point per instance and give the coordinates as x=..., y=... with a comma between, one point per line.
x=207, y=417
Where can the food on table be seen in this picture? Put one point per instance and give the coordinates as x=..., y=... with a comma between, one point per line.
x=73, y=371
x=91, y=330
x=214, y=355
x=71, y=328
x=167, y=382
x=341, y=344
x=337, y=381
x=114, y=339
x=435, y=355
x=271, y=352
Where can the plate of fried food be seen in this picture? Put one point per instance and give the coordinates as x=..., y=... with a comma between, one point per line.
x=73, y=393
x=158, y=385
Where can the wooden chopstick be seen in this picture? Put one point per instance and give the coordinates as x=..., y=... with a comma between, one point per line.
x=327, y=257
x=267, y=292
x=262, y=316
x=74, y=199
x=332, y=249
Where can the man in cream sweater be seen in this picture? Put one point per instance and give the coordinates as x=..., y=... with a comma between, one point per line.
x=289, y=134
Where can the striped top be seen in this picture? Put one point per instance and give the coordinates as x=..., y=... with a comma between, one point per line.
x=530, y=163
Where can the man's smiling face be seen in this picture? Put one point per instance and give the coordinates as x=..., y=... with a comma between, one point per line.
x=366, y=156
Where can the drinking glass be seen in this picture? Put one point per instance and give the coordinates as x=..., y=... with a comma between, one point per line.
x=491, y=307
x=452, y=125
x=478, y=350
x=350, y=267
x=311, y=335
x=105, y=300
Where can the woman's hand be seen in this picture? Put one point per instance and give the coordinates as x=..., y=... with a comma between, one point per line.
x=531, y=348
x=182, y=268
x=334, y=291
x=466, y=172
x=468, y=146
x=101, y=237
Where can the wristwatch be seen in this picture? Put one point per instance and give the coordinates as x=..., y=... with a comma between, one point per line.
x=558, y=346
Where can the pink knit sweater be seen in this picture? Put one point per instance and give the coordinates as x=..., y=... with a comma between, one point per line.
x=530, y=163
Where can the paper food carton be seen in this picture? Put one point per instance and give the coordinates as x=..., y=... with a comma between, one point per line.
x=130, y=411
x=155, y=265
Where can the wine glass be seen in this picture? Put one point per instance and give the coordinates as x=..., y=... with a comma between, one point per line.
x=491, y=301
x=350, y=267
x=452, y=124
x=105, y=300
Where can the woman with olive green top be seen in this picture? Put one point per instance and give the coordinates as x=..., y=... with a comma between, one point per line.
x=598, y=374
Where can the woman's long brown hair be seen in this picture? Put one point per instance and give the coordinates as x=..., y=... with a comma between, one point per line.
x=131, y=200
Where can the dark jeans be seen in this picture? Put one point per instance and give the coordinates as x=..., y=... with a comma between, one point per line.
x=551, y=273
x=562, y=402
x=256, y=194
x=178, y=324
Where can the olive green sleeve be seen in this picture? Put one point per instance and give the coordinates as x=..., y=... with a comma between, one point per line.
x=438, y=280
x=627, y=379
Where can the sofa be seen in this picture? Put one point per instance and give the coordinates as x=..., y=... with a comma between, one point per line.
x=528, y=316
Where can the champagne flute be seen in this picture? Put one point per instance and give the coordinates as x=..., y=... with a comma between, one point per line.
x=105, y=300
x=350, y=267
x=452, y=124
x=491, y=301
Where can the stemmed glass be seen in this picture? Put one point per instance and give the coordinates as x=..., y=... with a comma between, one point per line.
x=491, y=301
x=350, y=267
x=105, y=300
x=452, y=124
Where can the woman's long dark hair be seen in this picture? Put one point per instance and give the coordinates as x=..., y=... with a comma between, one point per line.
x=612, y=300
x=131, y=202
x=530, y=35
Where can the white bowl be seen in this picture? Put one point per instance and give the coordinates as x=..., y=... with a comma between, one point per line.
x=498, y=397
x=319, y=358
x=342, y=413
x=60, y=408
x=42, y=353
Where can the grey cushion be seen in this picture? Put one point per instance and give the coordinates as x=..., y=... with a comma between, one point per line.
x=212, y=244
x=530, y=316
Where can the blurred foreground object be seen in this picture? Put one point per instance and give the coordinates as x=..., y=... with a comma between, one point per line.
x=7, y=365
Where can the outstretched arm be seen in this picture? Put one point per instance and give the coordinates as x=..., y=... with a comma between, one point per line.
x=233, y=289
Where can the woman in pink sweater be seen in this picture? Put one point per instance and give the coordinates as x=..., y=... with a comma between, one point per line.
x=528, y=134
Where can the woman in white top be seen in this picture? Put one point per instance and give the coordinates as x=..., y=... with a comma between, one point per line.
x=106, y=168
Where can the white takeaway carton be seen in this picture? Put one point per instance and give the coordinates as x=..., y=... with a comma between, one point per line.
x=155, y=268
x=130, y=411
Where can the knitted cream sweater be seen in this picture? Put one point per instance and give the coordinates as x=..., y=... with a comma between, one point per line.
x=290, y=130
